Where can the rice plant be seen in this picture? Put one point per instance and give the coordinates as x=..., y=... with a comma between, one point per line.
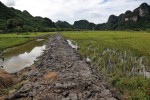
x=122, y=56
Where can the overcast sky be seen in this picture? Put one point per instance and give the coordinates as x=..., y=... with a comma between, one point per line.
x=96, y=11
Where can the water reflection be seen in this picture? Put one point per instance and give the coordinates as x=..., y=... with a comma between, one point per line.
x=16, y=63
x=72, y=45
x=23, y=48
x=22, y=56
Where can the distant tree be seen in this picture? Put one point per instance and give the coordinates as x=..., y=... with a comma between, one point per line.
x=49, y=23
x=81, y=24
x=62, y=24
x=112, y=19
x=26, y=28
x=18, y=29
x=13, y=23
x=91, y=26
x=100, y=26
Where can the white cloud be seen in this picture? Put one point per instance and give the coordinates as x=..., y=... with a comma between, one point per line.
x=10, y=2
x=96, y=11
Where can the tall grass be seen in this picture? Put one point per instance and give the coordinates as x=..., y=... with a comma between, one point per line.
x=122, y=56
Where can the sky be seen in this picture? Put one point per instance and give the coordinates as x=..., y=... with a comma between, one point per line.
x=97, y=11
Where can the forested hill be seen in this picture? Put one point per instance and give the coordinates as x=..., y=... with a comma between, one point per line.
x=138, y=19
x=15, y=20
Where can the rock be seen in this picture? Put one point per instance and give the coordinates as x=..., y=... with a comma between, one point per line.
x=102, y=99
x=68, y=98
x=73, y=96
x=110, y=98
x=58, y=85
x=57, y=91
x=65, y=86
x=25, y=88
x=12, y=91
x=88, y=94
x=65, y=94
x=105, y=93
x=97, y=88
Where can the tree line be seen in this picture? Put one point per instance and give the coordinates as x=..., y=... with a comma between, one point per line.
x=13, y=20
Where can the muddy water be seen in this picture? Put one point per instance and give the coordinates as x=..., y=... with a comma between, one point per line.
x=22, y=56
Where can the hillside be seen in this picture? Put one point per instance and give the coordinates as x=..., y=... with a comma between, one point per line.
x=15, y=20
x=137, y=19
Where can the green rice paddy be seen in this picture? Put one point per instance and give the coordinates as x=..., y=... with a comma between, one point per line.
x=123, y=56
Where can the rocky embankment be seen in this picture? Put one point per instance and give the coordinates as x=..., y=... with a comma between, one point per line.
x=61, y=74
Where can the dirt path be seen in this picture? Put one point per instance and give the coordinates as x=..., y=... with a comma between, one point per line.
x=60, y=74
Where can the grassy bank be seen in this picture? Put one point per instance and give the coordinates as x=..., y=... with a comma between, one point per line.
x=123, y=56
x=11, y=40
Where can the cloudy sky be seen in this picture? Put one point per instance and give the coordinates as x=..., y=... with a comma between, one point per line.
x=96, y=11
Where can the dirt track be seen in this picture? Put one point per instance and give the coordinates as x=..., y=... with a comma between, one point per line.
x=60, y=74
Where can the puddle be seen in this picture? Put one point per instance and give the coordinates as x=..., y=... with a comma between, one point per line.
x=22, y=56
x=72, y=45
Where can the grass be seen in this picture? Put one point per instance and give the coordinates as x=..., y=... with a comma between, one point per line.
x=122, y=56
x=129, y=41
x=23, y=35
x=11, y=40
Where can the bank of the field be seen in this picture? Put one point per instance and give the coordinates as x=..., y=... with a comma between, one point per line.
x=15, y=39
x=123, y=56
x=12, y=42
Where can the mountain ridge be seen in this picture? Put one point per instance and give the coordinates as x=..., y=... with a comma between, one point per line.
x=13, y=20
x=139, y=18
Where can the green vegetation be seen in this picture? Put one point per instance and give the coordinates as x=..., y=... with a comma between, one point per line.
x=136, y=20
x=13, y=20
x=84, y=25
x=123, y=56
x=11, y=40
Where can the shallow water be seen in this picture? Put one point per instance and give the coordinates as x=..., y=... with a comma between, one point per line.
x=22, y=56
x=72, y=45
